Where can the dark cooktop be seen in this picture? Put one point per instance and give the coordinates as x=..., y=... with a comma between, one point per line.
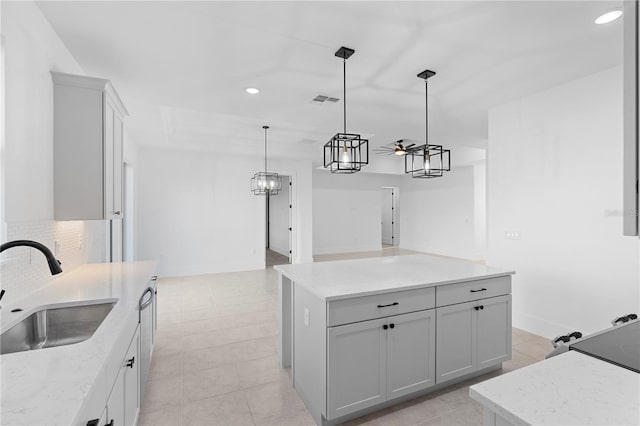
x=619, y=345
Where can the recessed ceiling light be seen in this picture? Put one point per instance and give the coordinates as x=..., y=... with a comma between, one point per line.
x=608, y=17
x=252, y=91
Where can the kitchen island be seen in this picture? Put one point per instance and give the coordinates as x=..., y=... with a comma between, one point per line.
x=568, y=389
x=363, y=334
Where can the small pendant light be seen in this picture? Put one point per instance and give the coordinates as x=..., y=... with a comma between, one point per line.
x=346, y=152
x=427, y=161
x=266, y=183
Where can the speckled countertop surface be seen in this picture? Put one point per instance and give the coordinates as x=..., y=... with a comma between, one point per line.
x=49, y=386
x=568, y=389
x=361, y=277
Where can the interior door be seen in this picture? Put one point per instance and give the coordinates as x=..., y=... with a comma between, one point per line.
x=411, y=353
x=290, y=186
x=356, y=367
x=387, y=215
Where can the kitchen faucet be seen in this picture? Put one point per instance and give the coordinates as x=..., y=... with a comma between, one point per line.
x=54, y=264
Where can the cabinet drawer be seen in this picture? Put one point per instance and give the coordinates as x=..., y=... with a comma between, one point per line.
x=380, y=305
x=472, y=290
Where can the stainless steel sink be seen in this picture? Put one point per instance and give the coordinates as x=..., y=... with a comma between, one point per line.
x=54, y=327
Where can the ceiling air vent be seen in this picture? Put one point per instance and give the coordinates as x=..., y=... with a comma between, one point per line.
x=322, y=99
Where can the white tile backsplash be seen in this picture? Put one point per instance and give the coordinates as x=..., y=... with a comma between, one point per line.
x=25, y=270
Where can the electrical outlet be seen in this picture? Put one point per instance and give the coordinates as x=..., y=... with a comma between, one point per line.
x=306, y=317
x=511, y=235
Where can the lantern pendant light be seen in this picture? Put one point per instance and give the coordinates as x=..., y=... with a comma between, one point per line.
x=266, y=183
x=346, y=152
x=427, y=161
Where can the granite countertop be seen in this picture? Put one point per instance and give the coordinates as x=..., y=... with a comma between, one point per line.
x=361, y=277
x=568, y=389
x=49, y=386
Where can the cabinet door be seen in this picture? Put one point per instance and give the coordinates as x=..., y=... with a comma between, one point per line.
x=455, y=341
x=132, y=381
x=117, y=167
x=356, y=367
x=494, y=331
x=411, y=353
x=107, y=146
x=116, y=402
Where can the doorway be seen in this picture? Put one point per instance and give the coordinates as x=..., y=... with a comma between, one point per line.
x=278, y=227
x=388, y=216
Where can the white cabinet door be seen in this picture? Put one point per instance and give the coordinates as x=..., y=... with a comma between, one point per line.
x=132, y=380
x=455, y=341
x=123, y=403
x=109, y=159
x=116, y=403
x=410, y=353
x=117, y=167
x=494, y=331
x=356, y=367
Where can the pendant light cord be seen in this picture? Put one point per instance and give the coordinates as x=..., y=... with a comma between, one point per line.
x=426, y=118
x=344, y=93
x=265, y=148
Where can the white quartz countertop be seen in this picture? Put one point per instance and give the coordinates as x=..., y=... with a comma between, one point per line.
x=49, y=386
x=568, y=389
x=360, y=277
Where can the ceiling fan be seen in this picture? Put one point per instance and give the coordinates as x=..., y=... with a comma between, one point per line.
x=398, y=147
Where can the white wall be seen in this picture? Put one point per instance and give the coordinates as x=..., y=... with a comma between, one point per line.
x=196, y=213
x=438, y=215
x=31, y=50
x=555, y=175
x=279, y=219
x=346, y=211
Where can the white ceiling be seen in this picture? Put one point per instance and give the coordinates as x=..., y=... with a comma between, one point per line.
x=182, y=67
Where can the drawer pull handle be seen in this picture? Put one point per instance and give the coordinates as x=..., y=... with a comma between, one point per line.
x=94, y=422
x=384, y=327
x=475, y=291
x=390, y=304
x=392, y=325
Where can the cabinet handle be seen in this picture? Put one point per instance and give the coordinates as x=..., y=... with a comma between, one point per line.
x=390, y=304
x=475, y=291
x=476, y=307
x=117, y=213
x=392, y=325
x=110, y=423
x=131, y=361
x=481, y=307
x=384, y=327
x=93, y=422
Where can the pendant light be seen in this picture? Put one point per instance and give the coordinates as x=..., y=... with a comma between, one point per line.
x=266, y=183
x=427, y=161
x=346, y=152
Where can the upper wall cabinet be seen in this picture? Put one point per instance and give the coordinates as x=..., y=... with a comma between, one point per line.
x=88, y=130
x=631, y=117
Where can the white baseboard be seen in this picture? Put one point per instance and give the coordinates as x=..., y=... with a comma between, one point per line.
x=280, y=250
x=539, y=326
x=348, y=249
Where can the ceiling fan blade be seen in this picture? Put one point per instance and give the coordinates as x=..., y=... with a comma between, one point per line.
x=409, y=146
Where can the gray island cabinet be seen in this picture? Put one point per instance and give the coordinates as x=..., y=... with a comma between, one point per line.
x=363, y=334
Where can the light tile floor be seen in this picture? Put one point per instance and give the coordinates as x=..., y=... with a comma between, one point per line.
x=215, y=361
